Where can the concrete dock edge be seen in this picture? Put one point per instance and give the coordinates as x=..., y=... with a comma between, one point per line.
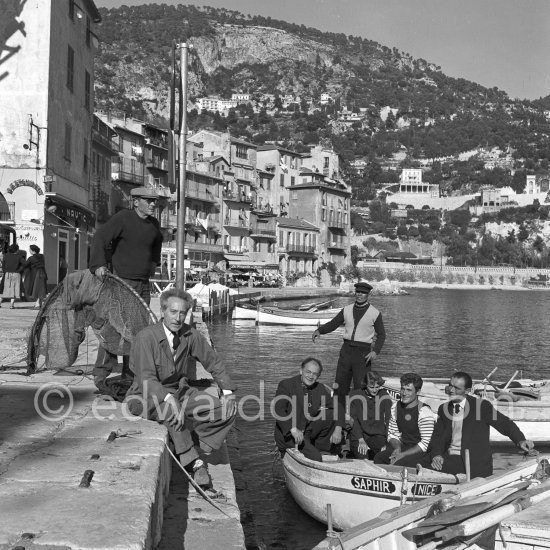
x=43, y=461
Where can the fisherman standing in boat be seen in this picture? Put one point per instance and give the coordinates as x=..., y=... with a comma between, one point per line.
x=306, y=415
x=364, y=336
x=463, y=423
x=410, y=428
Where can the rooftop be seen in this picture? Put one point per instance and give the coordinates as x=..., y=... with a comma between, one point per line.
x=296, y=223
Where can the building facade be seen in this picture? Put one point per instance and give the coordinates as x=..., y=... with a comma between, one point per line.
x=326, y=204
x=46, y=119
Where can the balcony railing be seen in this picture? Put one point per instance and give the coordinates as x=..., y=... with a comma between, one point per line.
x=156, y=162
x=105, y=141
x=338, y=224
x=266, y=233
x=159, y=142
x=235, y=222
x=300, y=248
x=266, y=209
x=123, y=175
x=336, y=244
x=198, y=193
x=237, y=197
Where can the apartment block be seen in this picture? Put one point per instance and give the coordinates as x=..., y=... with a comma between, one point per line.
x=46, y=93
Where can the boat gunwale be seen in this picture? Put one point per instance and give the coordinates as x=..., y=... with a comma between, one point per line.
x=383, y=474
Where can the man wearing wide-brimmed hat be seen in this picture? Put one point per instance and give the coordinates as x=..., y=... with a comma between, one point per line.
x=364, y=336
x=131, y=241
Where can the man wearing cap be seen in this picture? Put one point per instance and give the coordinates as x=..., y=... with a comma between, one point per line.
x=364, y=336
x=131, y=240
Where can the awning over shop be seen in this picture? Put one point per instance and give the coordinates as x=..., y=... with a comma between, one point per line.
x=237, y=257
x=67, y=209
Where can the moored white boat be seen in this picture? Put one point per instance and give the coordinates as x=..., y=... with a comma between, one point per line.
x=385, y=532
x=245, y=312
x=357, y=490
x=274, y=316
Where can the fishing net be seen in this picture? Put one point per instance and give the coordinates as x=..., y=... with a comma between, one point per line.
x=114, y=311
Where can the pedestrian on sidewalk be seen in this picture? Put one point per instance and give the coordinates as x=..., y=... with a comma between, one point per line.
x=12, y=265
x=131, y=241
x=364, y=336
x=36, y=278
x=161, y=359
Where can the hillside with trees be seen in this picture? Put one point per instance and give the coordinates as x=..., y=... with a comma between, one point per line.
x=408, y=108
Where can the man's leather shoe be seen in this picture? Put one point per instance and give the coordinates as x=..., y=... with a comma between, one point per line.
x=101, y=384
x=200, y=474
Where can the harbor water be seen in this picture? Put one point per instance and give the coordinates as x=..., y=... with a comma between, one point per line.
x=431, y=332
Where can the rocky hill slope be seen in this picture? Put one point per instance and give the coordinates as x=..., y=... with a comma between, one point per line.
x=407, y=106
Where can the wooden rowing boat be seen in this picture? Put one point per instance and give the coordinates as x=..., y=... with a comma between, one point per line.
x=358, y=490
x=275, y=316
x=245, y=311
x=471, y=508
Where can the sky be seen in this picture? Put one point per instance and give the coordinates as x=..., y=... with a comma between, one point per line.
x=502, y=43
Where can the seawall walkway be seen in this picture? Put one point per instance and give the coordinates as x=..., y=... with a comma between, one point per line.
x=55, y=431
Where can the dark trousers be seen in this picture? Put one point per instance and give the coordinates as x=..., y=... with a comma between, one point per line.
x=383, y=457
x=351, y=365
x=317, y=435
x=374, y=443
x=106, y=361
x=452, y=464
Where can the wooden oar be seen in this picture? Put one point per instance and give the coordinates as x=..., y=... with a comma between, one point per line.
x=465, y=509
x=484, y=521
x=510, y=381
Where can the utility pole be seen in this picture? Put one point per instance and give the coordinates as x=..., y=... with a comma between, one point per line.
x=180, y=236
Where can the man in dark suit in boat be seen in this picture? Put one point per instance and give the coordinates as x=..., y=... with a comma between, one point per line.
x=463, y=423
x=306, y=415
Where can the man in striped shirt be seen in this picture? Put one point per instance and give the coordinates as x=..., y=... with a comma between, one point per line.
x=410, y=428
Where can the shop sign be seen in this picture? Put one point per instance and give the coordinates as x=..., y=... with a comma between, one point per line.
x=23, y=183
x=74, y=214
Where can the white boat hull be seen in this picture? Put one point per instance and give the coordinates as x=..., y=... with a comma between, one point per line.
x=385, y=531
x=356, y=490
x=242, y=313
x=272, y=316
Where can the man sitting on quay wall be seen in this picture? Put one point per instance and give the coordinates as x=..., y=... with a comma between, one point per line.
x=464, y=423
x=161, y=359
x=305, y=414
x=410, y=428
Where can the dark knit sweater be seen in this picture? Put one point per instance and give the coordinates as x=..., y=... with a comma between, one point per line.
x=136, y=243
